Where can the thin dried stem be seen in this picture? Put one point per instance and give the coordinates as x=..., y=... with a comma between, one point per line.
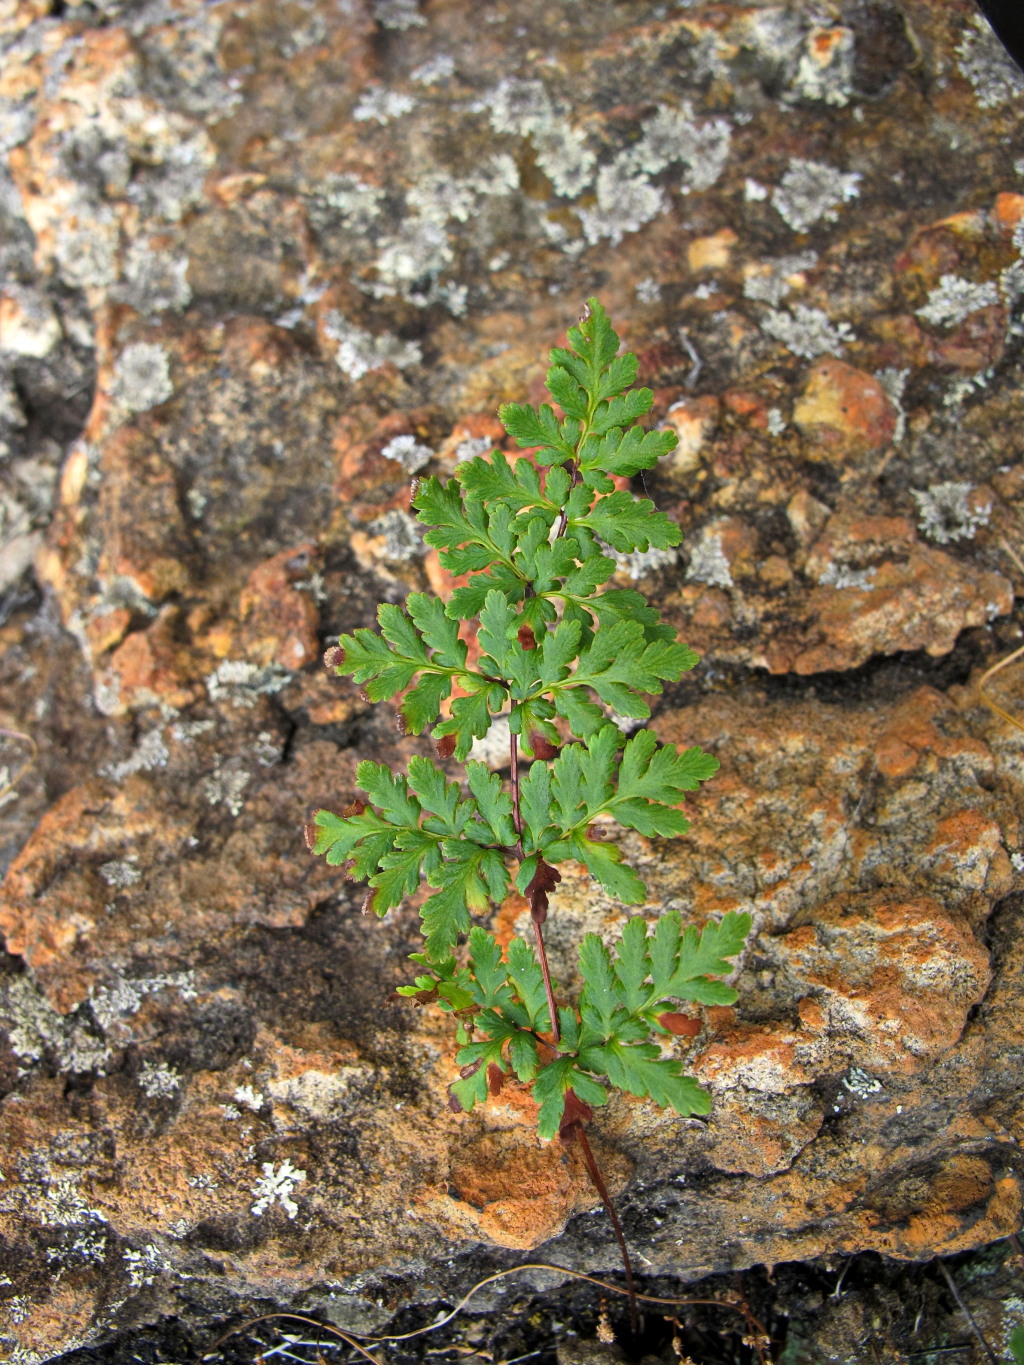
x=535, y=913
x=594, y=1171
x=293, y=1317
x=11, y=783
x=975, y=1329
x=986, y=700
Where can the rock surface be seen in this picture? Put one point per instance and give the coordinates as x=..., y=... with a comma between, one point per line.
x=262, y=265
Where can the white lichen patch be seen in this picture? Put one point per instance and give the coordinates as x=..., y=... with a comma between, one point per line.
x=243, y=683
x=641, y=563
x=708, y=563
x=86, y=250
x=251, y=1098
x=398, y=14
x=840, y=576
x=34, y=1028
x=776, y=422
x=276, y=1185
x=150, y=752
x=111, y=1005
x=953, y=299
x=142, y=377
x=858, y=1082
x=411, y=261
x=473, y=446
x=965, y=385
x=946, y=513
x=411, y=454
x=673, y=136
x=87, y=1245
x=812, y=192
x=522, y=107
x=771, y=280
x=381, y=105
x=121, y=872
x=434, y=70
x=401, y=535
x=807, y=332
x=352, y=202
x=824, y=70
x=625, y=202
x=225, y=787
x=648, y=290
x=154, y=280
x=894, y=382
x=142, y=1267
x=315, y=1094
x=984, y=61
x=360, y=352
x=566, y=160
x=439, y=198
x=159, y=1080
x=64, y=1206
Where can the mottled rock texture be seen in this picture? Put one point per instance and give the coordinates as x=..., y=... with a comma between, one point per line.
x=263, y=263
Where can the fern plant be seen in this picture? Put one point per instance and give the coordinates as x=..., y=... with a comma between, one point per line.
x=563, y=657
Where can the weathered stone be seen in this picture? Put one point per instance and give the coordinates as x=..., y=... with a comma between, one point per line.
x=844, y=412
x=259, y=274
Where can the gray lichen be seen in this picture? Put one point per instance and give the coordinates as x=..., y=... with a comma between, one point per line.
x=625, y=202
x=243, y=683
x=769, y=281
x=993, y=75
x=380, y=105
x=121, y=872
x=894, y=382
x=398, y=14
x=159, y=1080
x=359, y=352
x=142, y=377
x=276, y=1185
x=149, y=753
x=945, y=513
x=953, y=299
x=807, y=332
x=411, y=454
x=402, y=538
x=811, y=192
x=640, y=563
x=434, y=70
x=673, y=135
x=708, y=563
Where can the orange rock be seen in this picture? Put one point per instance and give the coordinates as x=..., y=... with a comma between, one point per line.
x=843, y=412
x=941, y=247
x=107, y=629
x=964, y=847
x=693, y=420
x=1007, y=212
x=766, y=1058
x=895, y=759
x=896, y=977
x=280, y=623
x=155, y=665
x=711, y=253
x=517, y=1193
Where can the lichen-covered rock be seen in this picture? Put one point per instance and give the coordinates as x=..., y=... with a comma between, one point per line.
x=261, y=269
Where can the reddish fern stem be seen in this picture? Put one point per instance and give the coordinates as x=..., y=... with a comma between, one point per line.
x=517, y=821
x=594, y=1171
